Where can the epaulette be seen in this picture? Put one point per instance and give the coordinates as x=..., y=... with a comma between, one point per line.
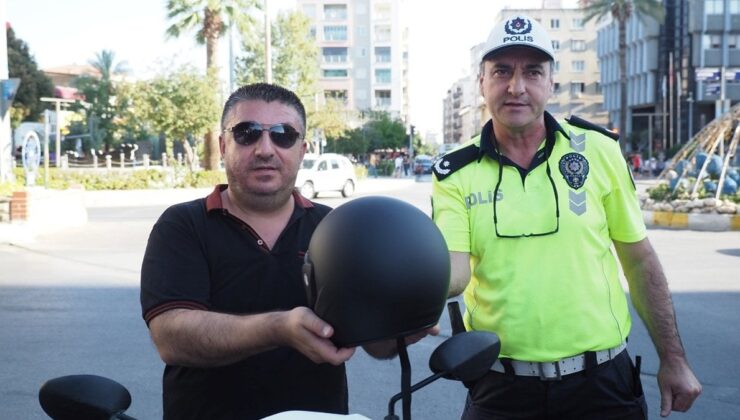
x=580, y=122
x=451, y=162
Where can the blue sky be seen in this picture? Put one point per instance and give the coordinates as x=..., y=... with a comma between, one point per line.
x=61, y=32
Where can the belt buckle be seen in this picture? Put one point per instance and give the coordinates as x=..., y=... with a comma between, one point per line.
x=543, y=377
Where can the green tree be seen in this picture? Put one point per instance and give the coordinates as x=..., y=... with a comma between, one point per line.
x=100, y=93
x=210, y=18
x=176, y=104
x=34, y=83
x=294, y=65
x=380, y=132
x=294, y=55
x=621, y=11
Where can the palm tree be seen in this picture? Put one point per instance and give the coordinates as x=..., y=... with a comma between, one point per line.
x=621, y=11
x=105, y=64
x=210, y=18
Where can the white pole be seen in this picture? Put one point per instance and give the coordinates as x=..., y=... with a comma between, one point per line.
x=268, y=46
x=232, y=75
x=6, y=144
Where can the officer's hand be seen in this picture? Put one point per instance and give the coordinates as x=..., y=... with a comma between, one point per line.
x=386, y=349
x=306, y=332
x=678, y=386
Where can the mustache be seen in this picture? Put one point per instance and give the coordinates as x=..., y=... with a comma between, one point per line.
x=264, y=163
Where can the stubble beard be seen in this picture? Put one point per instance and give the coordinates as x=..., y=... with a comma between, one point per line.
x=256, y=200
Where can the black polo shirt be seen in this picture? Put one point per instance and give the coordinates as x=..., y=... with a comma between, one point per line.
x=199, y=256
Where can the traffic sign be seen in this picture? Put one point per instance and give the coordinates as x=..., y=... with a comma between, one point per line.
x=8, y=89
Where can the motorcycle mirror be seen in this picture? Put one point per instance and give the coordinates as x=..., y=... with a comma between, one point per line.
x=465, y=356
x=84, y=397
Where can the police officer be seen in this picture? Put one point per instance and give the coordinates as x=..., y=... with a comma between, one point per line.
x=530, y=209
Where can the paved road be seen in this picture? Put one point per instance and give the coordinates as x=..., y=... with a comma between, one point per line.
x=69, y=304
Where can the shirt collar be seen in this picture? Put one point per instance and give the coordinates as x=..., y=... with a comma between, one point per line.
x=213, y=200
x=488, y=137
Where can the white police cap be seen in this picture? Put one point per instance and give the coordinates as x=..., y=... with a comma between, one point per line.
x=518, y=30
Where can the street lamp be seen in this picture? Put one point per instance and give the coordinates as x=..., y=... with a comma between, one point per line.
x=690, y=101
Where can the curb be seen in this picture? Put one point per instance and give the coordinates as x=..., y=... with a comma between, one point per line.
x=691, y=221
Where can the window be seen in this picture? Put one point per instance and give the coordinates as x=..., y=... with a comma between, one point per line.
x=733, y=41
x=556, y=67
x=335, y=11
x=577, y=45
x=335, y=73
x=598, y=87
x=382, y=33
x=382, y=11
x=335, y=33
x=382, y=54
x=555, y=45
x=577, y=23
x=715, y=7
x=554, y=23
x=734, y=7
x=382, y=98
x=382, y=75
x=334, y=54
x=576, y=88
x=712, y=41
x=312, y=31
x=556, y=87
x=578, y=65
x=340, y=95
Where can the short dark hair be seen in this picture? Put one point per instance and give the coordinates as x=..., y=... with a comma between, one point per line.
x=264, y=92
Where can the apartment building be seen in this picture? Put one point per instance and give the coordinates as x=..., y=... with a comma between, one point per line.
x=681, y=73
x=363, y=54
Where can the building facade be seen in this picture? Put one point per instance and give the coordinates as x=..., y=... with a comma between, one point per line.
x=673, y=71
x=363, y=54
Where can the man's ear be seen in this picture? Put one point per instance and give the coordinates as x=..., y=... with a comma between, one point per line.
x=221, y=144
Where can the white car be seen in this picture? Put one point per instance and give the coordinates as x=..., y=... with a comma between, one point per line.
x=326, y=172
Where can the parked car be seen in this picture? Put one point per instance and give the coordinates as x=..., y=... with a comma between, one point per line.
x=423, y=164
x=326, y=172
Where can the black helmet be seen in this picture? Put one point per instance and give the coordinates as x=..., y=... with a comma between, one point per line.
x=377, y=268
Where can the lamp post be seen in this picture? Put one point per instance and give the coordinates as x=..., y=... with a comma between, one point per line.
x=690, y=101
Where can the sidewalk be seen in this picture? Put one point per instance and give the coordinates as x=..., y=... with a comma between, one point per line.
x=24, y=232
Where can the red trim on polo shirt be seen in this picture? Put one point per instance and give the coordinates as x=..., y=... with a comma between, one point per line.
x=175, y=304
x=214, y=202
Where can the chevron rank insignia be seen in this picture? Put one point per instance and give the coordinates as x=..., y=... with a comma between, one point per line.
x=577, y=202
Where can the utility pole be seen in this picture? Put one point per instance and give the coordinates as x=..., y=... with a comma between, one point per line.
x=232, y=74
x=268, y=46
x=671, y=87
x=6, y=143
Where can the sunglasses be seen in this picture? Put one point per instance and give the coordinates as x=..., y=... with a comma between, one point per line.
x=248, y=133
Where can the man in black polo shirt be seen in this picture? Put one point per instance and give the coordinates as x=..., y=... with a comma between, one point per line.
x=221, y=287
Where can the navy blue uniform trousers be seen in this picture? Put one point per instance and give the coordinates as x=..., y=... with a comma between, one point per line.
x=611, y=390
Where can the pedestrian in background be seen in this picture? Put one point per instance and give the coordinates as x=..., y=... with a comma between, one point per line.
x=530, y=209
x=397, y=166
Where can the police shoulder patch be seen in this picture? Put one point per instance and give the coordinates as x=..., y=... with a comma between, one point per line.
x=451, y=162
x=580, y=122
